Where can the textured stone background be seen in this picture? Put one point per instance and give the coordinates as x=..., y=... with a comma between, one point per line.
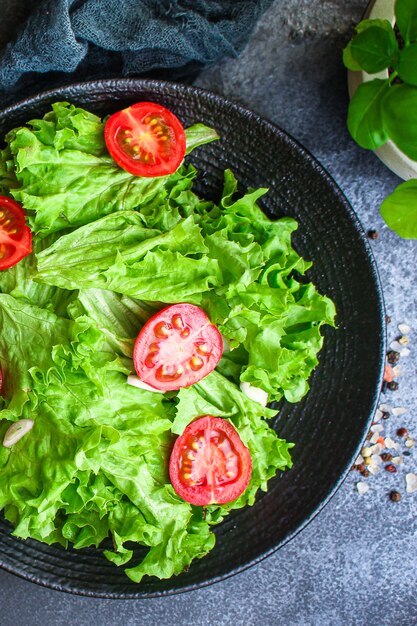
x=356, y=562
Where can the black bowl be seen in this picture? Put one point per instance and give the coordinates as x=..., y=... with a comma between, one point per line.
x=329, y=425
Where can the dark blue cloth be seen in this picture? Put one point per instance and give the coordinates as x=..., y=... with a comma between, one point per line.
x=79, y=39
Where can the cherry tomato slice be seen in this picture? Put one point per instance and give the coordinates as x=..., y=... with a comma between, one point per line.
x=177, y=347
x=145, y=139
x=15, y=235
x=209, y=463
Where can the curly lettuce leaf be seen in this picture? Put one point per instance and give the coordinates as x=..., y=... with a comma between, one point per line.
x=118, y=317
x=59, y=169
x=19, y=281
x=215, y=395
x=109, y=250
x=95, y=462
x=118, y=253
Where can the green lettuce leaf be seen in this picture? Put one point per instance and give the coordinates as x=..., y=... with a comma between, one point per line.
x=118, y=253
x=95, y=462
x=110, y=249
x=215, y=395
x=64, y=176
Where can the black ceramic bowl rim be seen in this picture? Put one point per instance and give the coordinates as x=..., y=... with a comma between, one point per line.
x=122, y=87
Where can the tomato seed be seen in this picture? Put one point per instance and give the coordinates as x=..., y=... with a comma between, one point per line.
x=186, y=332
x=161, y=330
x=177, y=322
x=154, y=347
x=149, y=361
x=202, y=348
x=168, y=373
x=196, y=363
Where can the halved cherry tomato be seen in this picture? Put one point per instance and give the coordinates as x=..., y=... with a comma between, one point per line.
x=177, y=347
x=15, y=235
x=209, y=463
x=145, y=139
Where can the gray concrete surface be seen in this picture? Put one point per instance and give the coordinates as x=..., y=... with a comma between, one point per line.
x=355, y=564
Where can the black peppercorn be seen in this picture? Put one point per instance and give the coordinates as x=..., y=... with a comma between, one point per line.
x=393, y=385
x=393, y=357
x=402, y=432
x=395, y=496
x=391, y=468
x=372, y=234
x=386, y=456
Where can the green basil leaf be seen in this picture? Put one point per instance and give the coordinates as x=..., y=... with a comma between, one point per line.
x=399, y=210
x=399, y=118
x=366, y=24
x=364, y=115
x=407, y=64
x=375, y=49
x=348, y=60
x=406, y=19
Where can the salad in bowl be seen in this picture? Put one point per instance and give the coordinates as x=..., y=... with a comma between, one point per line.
x=146, y=333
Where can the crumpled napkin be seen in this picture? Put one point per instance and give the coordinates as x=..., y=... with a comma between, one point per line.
x=80, y=39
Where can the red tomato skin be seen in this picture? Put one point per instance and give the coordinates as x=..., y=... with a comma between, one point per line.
x=190, y=313
x=205, y=494
x=21, y=240
x=140, y=110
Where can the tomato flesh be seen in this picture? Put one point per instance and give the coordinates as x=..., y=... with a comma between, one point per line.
x=177, y=347
x=209, y=463
x=146, y=139
x=15, y=235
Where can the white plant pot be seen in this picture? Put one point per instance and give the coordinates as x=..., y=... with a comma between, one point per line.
x=389, y=154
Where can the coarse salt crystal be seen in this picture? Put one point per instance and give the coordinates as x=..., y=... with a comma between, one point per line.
x=376, y=459
x=362, y=487
x=378, y=415
x=377, y=428
x=367, y=451
x=374, y=438
x=409, y=442
x=359, y=460
x=377, y=448
x=399, y=410
x=397, y=371
x=404, y=329
x=385, y=408
x=411, y=482
x=396, y=346
x=389, y=443
x=373, y=469
x=397, y=460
